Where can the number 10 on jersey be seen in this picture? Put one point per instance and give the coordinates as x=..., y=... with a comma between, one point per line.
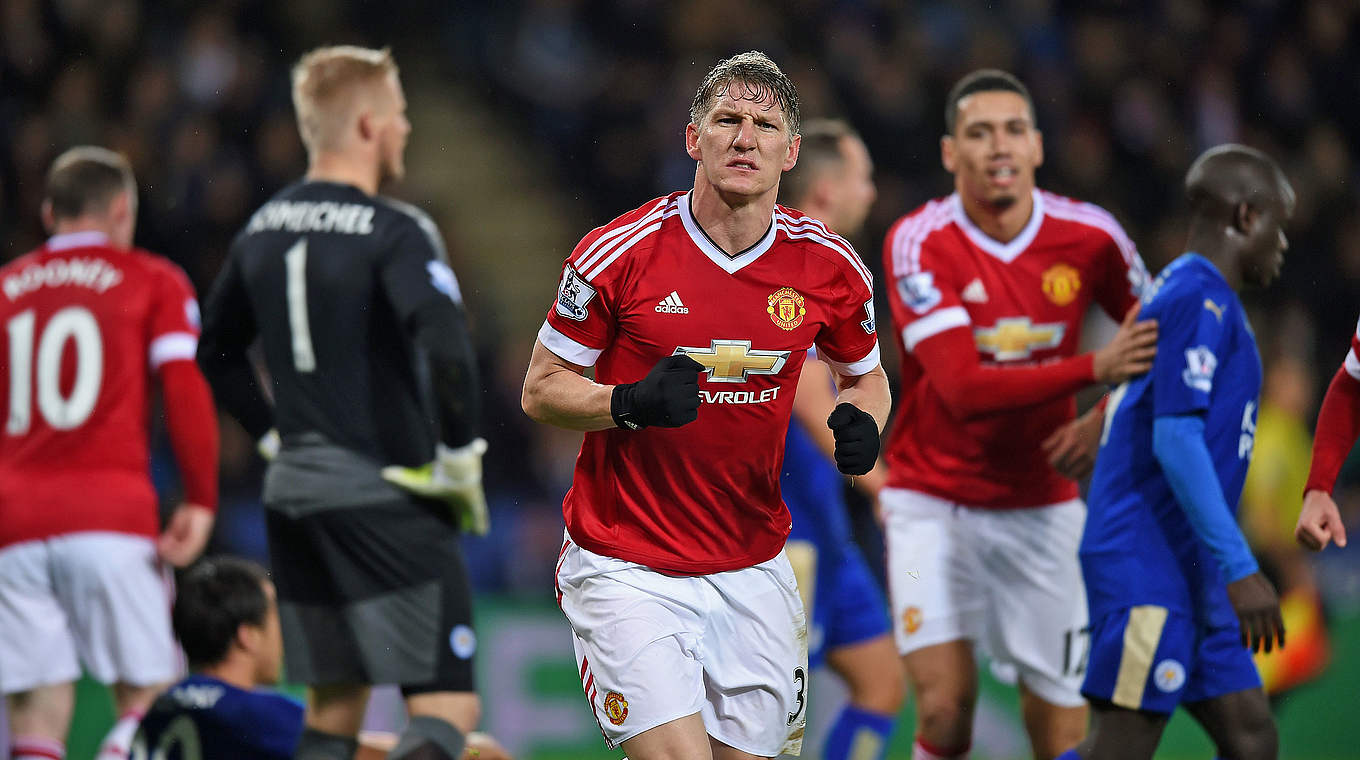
x=61, y=412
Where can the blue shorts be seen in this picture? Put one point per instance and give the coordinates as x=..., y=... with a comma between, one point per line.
x=1149, y=658
x=848, y=606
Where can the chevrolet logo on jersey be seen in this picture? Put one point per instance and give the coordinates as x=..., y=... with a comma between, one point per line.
x=734, y=361
x=1015, y=338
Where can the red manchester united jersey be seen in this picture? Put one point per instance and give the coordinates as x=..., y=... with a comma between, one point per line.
x=704, y=497
x=1023, y=302
x=84, y=327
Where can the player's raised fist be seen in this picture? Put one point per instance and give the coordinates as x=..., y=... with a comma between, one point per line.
x=856, y=439
x=1129, y=352
x=667, y=397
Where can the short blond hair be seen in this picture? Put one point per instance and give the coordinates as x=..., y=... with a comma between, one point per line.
x=323, y=83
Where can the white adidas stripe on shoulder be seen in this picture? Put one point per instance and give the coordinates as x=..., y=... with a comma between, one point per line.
x=602, y=244
x=818, y=233
x=623, y=247
x=1092, y=215
x=906, y=246
x=611, y=252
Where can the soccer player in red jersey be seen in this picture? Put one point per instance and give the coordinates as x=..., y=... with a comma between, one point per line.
x=1338, y=426
x=989, y=287
x=90, y=324
x=696, y=311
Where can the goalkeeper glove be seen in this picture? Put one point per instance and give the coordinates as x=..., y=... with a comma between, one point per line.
x=454, y=477
x=856, y=439
x=667, y=397
x=268, y=445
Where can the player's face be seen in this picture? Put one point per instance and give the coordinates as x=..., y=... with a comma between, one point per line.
x=269, y=656
x=1266, y=242
x=743, y=143
x=995, y=148
x=392, y=128
x=852, y=191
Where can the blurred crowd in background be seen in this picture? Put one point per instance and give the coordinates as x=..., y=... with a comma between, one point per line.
x=584, y=104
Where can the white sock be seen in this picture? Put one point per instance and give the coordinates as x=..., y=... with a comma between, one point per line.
x=36, y=748
x=117, y=743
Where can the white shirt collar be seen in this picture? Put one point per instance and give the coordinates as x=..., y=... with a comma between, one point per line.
x=729, y=264
x=82, y=239
x=1004, y=251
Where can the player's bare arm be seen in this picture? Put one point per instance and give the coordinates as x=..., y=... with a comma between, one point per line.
x=869, y=392
x=1072, y=448
x=1129, y=352
x=1319, y=522
x=186, y=534
x=814, y=403
x=1258, y=610
x=856, y=428
x=557, y=392
x=1338, y=427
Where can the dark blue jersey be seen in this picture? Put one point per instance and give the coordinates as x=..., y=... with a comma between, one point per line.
x=1139, y=547
x=202, y=718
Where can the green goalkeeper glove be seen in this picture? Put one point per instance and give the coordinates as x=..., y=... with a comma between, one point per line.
x=454, y=477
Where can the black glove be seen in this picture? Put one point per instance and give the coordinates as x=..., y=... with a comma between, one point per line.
x=856, y=439
x=667, y=397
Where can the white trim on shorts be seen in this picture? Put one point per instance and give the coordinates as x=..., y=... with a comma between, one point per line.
x=1009, y=580
x=731, y=646
x=98, y=598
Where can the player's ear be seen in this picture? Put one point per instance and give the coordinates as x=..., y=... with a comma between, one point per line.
x=1038, y=148
x=365, y=125
x=49, y=220
x=792, y=159
x=692, y=141
x=1244, y=218
x=947, y=156
x=248, y=637
x=120, y=206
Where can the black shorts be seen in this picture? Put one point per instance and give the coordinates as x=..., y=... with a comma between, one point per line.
x=373, y=594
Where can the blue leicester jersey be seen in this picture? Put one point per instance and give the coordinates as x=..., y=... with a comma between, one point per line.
x=202, y=718
x=1138, y=546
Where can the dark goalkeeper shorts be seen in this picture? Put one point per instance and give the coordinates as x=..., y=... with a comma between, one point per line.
x=373, y=594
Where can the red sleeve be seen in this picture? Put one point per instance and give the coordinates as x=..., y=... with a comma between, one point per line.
x=1337, y=428
x=192, y=422
x=971, y=389
x=581, y=322
x=190, y=415
x=1125, y=274
x=936, y=328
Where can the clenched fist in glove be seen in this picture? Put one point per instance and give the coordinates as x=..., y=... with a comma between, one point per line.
x=667, y=397
x=856, y=439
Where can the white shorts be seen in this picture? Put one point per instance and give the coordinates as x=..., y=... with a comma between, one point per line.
x=652, y=648
x=102, y=599
x=1007, y=580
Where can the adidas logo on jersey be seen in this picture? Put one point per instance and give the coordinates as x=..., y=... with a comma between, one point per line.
x=671, y=304
x=974, y=292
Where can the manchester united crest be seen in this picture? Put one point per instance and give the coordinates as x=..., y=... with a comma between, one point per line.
x=615, y=708
x=1061, y=283
x=786, y=308
x=911, y=619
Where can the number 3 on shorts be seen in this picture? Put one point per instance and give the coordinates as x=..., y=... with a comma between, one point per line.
x=800, y=688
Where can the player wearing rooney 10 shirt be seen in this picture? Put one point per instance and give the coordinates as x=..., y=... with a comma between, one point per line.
x=989, y=287
x=90, y=324
x=696, y=311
